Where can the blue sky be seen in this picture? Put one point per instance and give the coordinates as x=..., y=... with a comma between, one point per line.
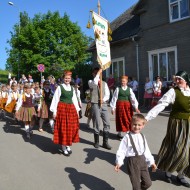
x=78, y=11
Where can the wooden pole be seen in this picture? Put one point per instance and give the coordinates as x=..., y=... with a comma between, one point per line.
x=100, y=65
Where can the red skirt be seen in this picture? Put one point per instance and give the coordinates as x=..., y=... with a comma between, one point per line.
x=66, y=130
x=124, y=113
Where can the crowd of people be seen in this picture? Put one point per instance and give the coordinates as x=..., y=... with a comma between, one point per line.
x=34, y=102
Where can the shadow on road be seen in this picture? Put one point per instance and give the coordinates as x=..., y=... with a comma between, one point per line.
x=109, y=157
x=44, y=143
x=91, y=182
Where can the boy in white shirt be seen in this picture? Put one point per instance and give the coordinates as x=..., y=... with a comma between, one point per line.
x=134, y=146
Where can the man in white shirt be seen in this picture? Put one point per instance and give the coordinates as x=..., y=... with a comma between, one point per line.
x=99, y=108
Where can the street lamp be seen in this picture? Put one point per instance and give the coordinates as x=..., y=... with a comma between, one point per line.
x=12, y=4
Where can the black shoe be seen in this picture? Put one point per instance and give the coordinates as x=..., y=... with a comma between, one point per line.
x=96, y=145
x=120, y=137
x=28, y=135
x=183, y=182
x=106, y=146
x=69, y=151
x=168, y=179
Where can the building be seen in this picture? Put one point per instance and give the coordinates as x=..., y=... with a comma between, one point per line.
x=151, y=38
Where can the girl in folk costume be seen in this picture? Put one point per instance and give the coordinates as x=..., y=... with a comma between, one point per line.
x=3, y=96
x=65, y=108
x=25, y=110
x=44, y=110
x=123, y=101
x=12, y=98
x=174, y=154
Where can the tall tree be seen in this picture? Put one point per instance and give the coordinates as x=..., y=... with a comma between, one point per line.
x=47, y=39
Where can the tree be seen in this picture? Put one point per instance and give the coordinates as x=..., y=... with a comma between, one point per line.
x=47, y=39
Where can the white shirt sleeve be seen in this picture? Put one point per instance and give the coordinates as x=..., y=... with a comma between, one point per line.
x=106, y=93
x=75, y=101
x=121, y=152
x=133, y=99
x=148, y=156
x=19, y=103
x=55, y=100
x=168, y=98
x=114, y=99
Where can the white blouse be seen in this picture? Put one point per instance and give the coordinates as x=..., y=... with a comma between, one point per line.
x=157, y=86
x=126, y=149
x=168, y=98
x=133, y=99
x=56, y=98
x=11, y=96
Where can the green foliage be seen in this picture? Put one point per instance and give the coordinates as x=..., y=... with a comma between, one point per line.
x=47, y=39
x=4, y=76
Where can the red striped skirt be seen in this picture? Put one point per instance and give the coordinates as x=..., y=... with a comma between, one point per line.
x=124, y=113
x=26, y=114
x=66, y=130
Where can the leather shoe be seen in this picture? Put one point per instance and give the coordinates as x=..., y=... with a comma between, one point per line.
x=183, y=182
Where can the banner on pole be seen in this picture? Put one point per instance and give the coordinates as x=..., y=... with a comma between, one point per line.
x=100, y=26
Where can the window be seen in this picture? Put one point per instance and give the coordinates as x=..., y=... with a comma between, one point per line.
x=179, y=9
x=117, y=68
x=163, y=63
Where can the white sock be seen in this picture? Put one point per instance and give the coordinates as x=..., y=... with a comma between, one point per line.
x=27, y=128
x=51, y=122
x=64, y=148
x=68, y=148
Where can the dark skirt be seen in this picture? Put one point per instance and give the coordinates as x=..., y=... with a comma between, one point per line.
x=124, y=113
x=66, y=130
x=174, y=152
x=26, y=114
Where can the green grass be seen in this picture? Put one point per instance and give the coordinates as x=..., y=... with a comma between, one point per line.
x=4, y=76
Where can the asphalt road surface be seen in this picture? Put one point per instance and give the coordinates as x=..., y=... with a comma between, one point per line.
x=39, y=164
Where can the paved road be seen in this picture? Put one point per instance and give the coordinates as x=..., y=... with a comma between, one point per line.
x=38, y=164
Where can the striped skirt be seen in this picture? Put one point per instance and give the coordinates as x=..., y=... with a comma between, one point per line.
x=26, y=114
x=174, y=152
x=124, y=113
x=66, y=130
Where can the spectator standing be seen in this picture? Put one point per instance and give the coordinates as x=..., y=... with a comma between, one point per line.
x=148, y=93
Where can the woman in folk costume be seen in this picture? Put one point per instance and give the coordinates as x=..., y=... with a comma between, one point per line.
x=25, y=110
x=12, y=99
x=174, y=154
x=44, y=110
x=65, y=110
x=123, y=101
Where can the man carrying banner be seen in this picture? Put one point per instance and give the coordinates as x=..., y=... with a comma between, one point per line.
x=99, y=108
